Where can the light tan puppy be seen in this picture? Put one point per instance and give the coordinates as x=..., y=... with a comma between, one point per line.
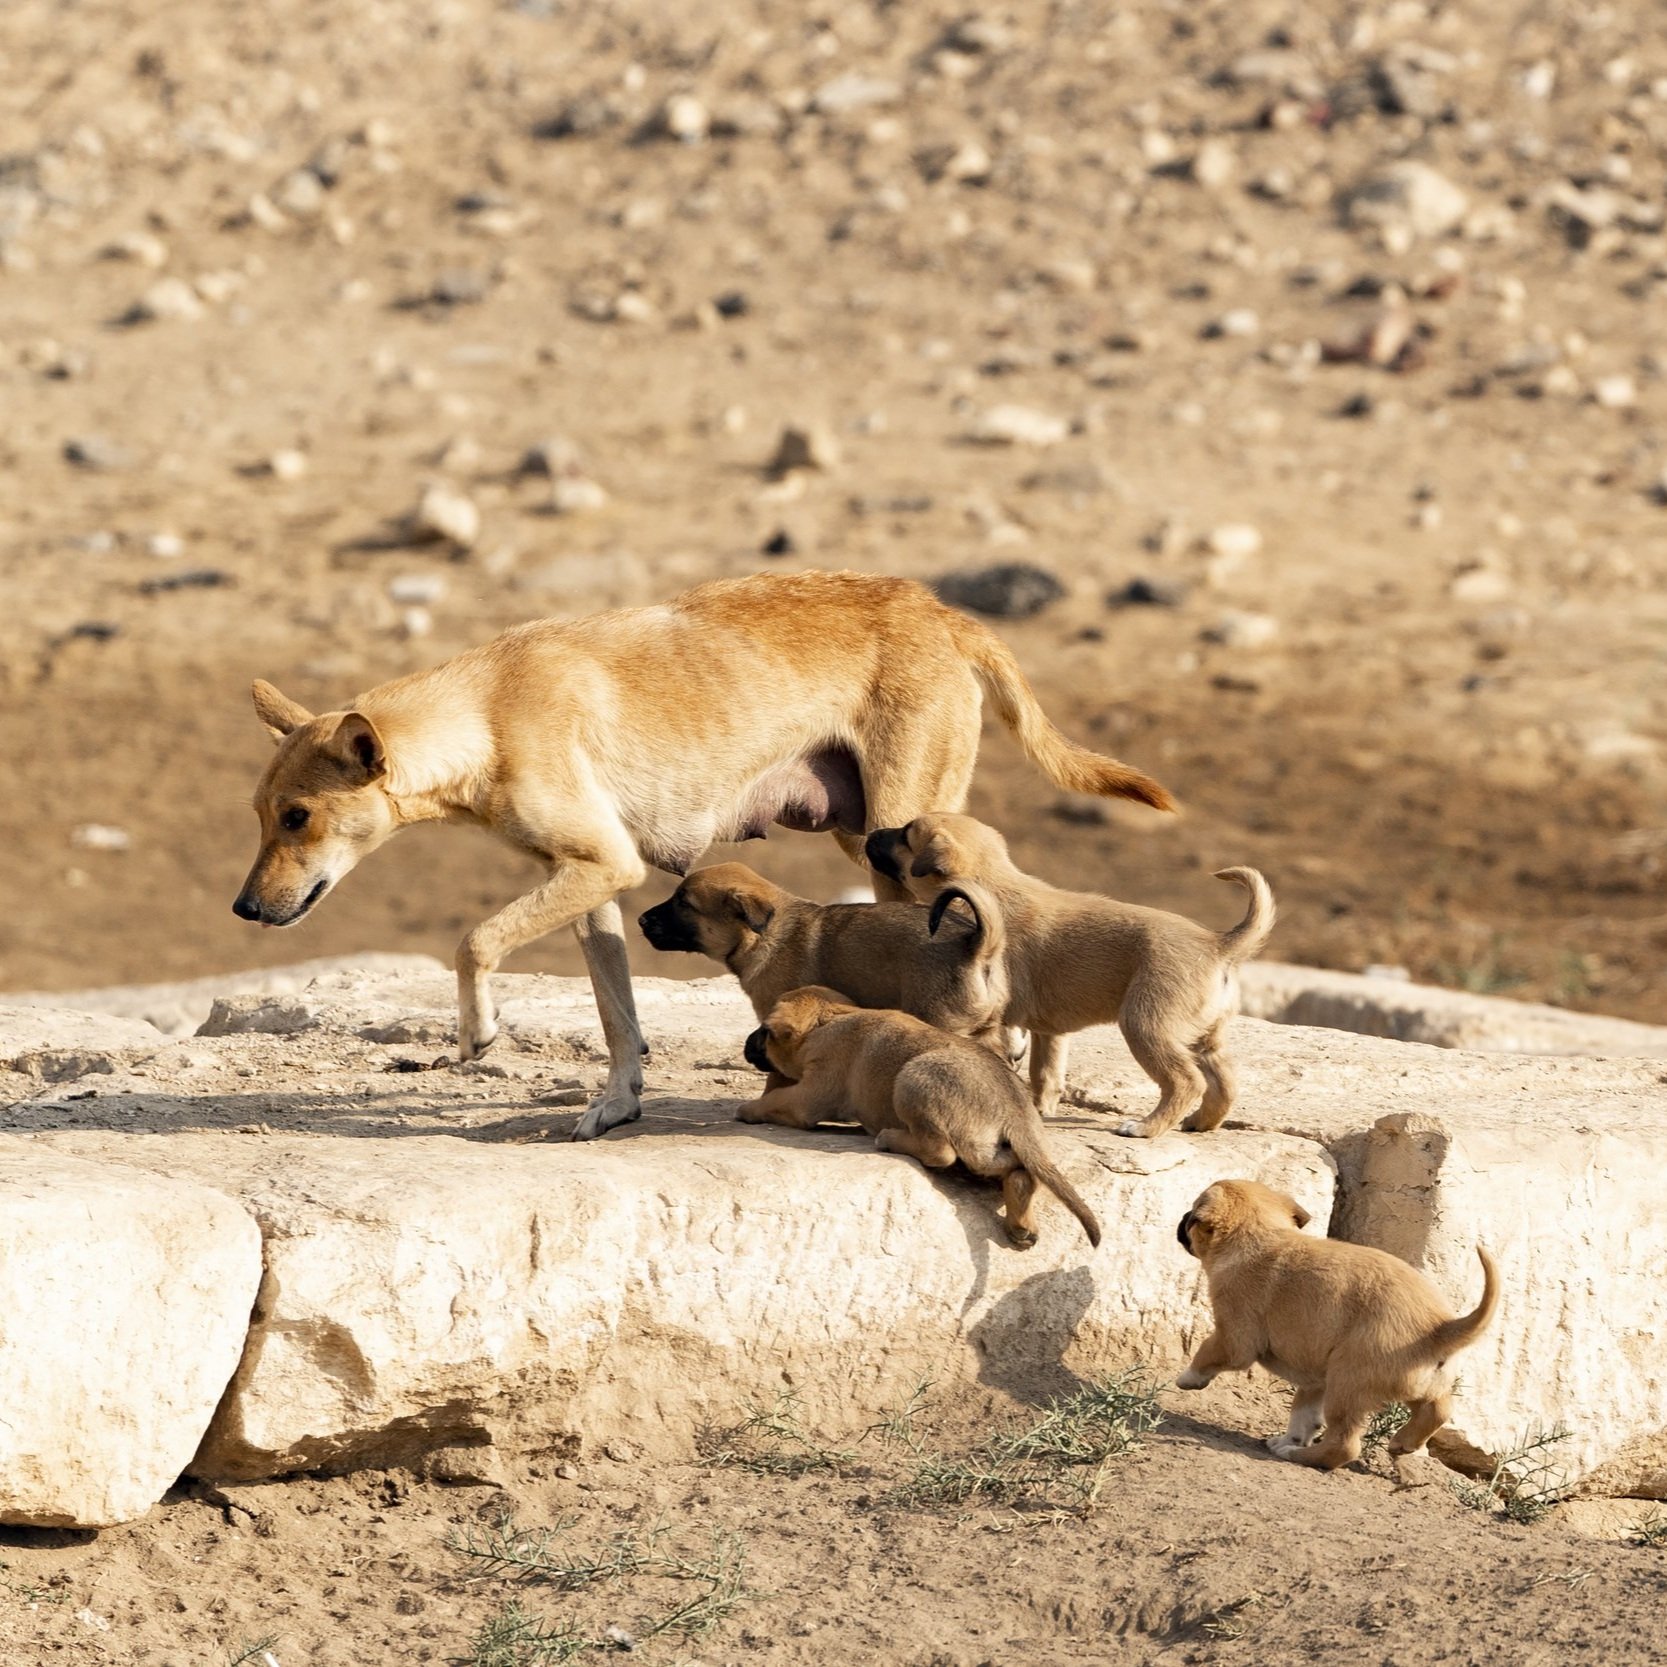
x=831, y=702
x=942, y=964
x=1075, y=959
x=1351, y=1327
x=916, y=1089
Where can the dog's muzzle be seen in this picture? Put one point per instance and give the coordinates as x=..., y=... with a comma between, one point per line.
x=756, y=1052
x=881, y=850
x=250, y=907
x=1184, y=1233
x=664, y=930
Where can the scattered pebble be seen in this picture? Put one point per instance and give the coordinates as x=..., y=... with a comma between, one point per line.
x=1238, y=540
x=167, y=298
x=416, y=589
x=1018, y=425
x=443, y=514
x=100, y=836
x=1240, y=321
x=1213, y=164
x=1011, y=590
x=287, y=464
x=1235, y=629
x=165, y=546
x=577, y=495
x=811, y=447
x=94, y=451
x=1406, y=198
x=144, y=248
x=854, y=91
x=1615, y=393
x=1149, y=593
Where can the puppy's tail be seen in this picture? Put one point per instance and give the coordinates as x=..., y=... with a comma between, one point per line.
x=1248, y=937
x=1031, y=1148
x=988, y=936
x=1064, y=763
x=1447, y=1339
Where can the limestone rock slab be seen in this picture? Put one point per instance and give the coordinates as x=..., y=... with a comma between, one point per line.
x=124, y=1302
x=429, y=1291
x=1406, y=1012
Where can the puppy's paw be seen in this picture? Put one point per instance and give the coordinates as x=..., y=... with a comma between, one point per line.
x=1133, y=1128
x=1190, y=1379
x=1021, y=1238
x=748, y=1112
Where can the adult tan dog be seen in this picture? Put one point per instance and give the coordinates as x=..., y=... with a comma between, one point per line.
x=947, y=971
x=1351, y=1327
x=825, y=701
x=916, y=1089
x=1074, y=960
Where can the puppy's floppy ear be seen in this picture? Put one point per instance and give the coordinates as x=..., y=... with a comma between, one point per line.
x=932, y=859
x=356, y=745
x=277, y=711
x=752, y=912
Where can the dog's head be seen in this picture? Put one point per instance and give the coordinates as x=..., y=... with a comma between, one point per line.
x=321, y=803
x=776, y=1044
x=716, y=911
x=1226, y=1208
x=928, y=852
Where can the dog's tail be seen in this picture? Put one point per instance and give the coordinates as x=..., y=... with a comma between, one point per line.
x=1451, y=1336
x=988, y=936
x=1067, y=765
x=1248, y=937
x=1030, y=1146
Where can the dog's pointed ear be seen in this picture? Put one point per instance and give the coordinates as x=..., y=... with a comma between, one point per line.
x=1299, y=1215
x=277, y=711
x=356, y=745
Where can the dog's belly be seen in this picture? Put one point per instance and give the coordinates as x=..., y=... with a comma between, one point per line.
x=817, y=792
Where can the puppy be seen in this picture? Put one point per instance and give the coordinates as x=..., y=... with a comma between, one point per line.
x=916, y=1089
x=1074, y=960
x=949, y=973
x=1351, y=1327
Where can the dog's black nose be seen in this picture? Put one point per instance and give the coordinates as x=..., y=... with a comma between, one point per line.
x=756, y=1055
x=246, y=908
x=879, y=848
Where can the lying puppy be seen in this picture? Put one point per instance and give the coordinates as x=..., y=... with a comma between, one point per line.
x=894, y=955
x=1351, y=1327
x=1074, y=960
x=917, y=1090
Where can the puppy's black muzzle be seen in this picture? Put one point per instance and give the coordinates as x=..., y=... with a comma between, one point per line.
x=665, y=929
x=1184, y=1233
x=756, y=1054
x=881, y=848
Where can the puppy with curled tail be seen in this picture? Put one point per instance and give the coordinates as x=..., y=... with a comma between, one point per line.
x=918, y=1090
x=1350, y=1327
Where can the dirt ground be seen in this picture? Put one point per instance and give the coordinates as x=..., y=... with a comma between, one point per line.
x=1448, y=754
x=269, y=271
x=1202, y=1549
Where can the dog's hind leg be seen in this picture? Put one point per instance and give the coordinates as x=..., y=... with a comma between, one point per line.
x=929, y=1147
x=1427, y=1417
x=1047, y=1070
x=1172, y=1067
x=601, y=935
x=1345, y=1430
x=1220, y=1085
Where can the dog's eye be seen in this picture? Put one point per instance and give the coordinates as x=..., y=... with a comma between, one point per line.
x=294, y=819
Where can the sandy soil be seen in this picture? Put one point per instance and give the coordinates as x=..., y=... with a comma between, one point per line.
x=1448, y=755
x=1203, y=1548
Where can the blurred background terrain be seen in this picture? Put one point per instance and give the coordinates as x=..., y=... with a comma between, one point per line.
x=1303, y=362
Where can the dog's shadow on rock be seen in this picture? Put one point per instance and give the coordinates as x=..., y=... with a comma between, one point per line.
x=1023, y=1335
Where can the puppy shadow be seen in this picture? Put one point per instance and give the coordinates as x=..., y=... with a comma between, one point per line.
x=1023, y=1338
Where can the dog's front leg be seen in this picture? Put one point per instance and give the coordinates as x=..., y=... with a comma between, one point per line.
x=601, y=936
x=576, y=888
x=791, y=1105
x=1216, y=1354
x=1047, y=1071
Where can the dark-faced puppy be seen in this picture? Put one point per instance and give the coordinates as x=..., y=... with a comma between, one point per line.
x=1350, y=1327
x=1075, y=959
x=916, y=1089
x=942, y=964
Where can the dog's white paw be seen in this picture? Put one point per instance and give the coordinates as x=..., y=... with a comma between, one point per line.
x=607, y=1113
x=472, y=1043
x=1190, y=1379
x=1281, y=1446
x=1130, y=1126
